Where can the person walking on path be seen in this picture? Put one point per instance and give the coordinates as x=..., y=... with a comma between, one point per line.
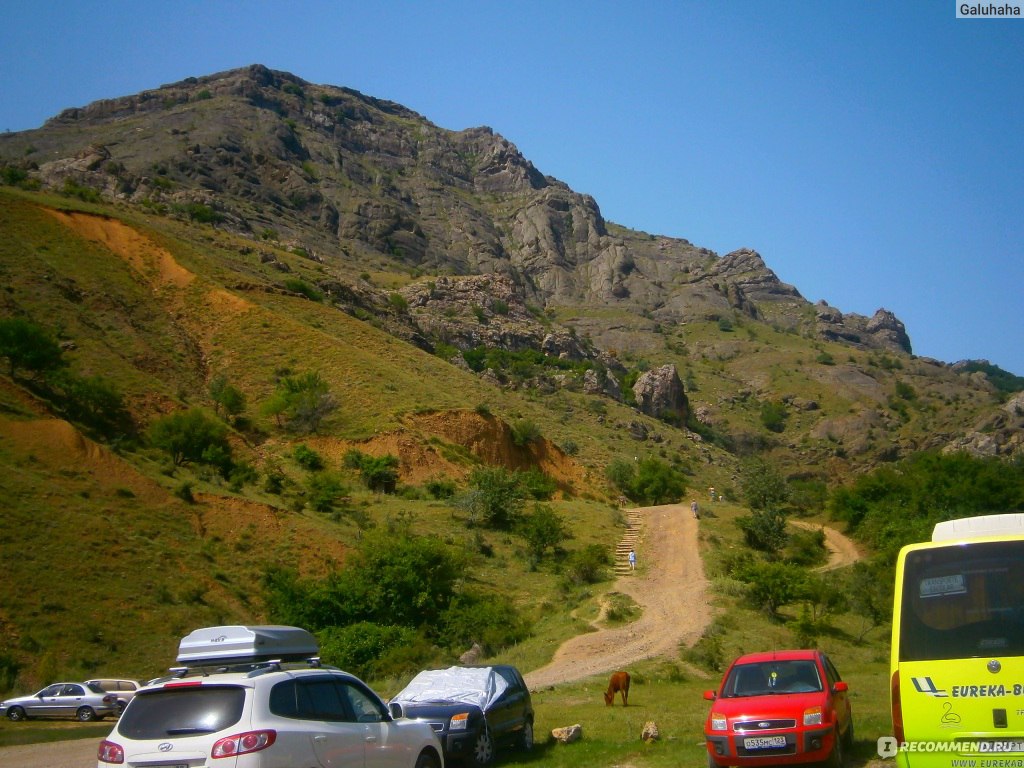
x=694, y=509
x=632, y=560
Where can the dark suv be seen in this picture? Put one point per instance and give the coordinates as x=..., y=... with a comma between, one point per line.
x=471, y=709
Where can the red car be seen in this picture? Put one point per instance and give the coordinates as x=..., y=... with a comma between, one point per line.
x=779, y=708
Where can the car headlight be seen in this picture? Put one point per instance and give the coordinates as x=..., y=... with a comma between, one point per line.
x=812, y=716
x=459, y=722
x=719, y=722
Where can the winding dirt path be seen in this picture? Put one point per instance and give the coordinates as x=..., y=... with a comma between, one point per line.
x=670, y=587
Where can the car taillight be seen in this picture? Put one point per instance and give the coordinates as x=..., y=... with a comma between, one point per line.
x=109, y=752
x=812, y=716
x=243, y=743
x=897, y=707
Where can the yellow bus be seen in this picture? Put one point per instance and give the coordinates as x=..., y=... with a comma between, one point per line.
x=957, y=663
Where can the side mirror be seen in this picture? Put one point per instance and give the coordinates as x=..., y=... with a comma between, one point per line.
x=396, y=709
x=710, y=695
x=840, y=687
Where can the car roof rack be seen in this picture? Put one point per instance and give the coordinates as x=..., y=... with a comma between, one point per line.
x=239, y=645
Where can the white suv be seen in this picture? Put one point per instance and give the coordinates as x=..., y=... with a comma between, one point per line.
x=244, y=697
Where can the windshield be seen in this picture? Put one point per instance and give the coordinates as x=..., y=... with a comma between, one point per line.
x=182, y=711
x=772, y=677
x=963, y=601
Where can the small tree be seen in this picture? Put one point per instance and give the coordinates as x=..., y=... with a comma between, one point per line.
x=763, y=486
x=543, y=530
x=226, y=397
x=191, y=436
x=495, y=497
x=27, y=346
x=301, y=403
x=764, y=530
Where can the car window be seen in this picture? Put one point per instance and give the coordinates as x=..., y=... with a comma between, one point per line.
x=184, y=711
x=73, y=690
x=96, y=688
x=310, y=698
x=366, y=708
x=774, y=677
x=51, y=690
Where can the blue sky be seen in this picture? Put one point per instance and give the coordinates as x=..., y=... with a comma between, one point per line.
x=872, y=152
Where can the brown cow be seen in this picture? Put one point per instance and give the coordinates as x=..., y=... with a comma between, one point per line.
x=618, y=684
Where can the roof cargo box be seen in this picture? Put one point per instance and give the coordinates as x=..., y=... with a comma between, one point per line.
x=241, y=644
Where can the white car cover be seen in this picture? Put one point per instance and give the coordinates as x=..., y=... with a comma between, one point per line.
x=472, y=685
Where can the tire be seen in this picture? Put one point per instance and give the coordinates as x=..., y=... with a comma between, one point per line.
x=835, y=758
x=848, y=736
x=16, y=714
x=121, y=704
x=427, y=760
x=483, y=748
x=526, y=736
x=85, y=714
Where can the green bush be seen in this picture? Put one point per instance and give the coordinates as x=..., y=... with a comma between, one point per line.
x=494, y=498
x=543, y=530
x=773, y=585
x=773, y=416
x=191, y=436
x=296, y=285
x=28, y=346
x=370, y=650
x=324, y=490
x=537, y=485
x=587, y=565
x=524, y=432
x=764, y=530
x=440, y=487
x=307, y=458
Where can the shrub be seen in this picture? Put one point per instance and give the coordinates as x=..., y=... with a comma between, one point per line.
x=773, y=416
x=440, y=487
x=301, y=403
x=764, y=530
x=773, y=585
x=28, y=346
x=398, y=302
x=537, y=485
x=587, y=565
x=296, y=285
x=307, y=458
x=191, y=436
x=323, y=490
x=495, y=497
x=543, y=530
x=366, y=648
x=524, y=432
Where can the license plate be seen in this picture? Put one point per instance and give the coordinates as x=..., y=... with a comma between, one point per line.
x=764, y=742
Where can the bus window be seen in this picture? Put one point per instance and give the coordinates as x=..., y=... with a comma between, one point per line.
x=963, y=602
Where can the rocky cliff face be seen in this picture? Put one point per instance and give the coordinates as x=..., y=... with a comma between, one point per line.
x=348, y=178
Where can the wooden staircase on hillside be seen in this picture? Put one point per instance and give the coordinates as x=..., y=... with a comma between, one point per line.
x=629, y=541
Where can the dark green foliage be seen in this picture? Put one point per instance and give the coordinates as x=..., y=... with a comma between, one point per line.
x=93, y=403
x=227, y=399
x=764, y=530
x=773, y=416
x=520, y=364
x=543, y=530
x=12, y=176
x=374, y=651
x=395, y=580
x=296, y=285
x=1002, y=380
x=763, y=485
x=708, y=652
x=323, y=491
x=307, y=458
x=201, y=213
x=86, y=194
x=524, y=432
x=440, y=487
x=649, y=481
x=570, y=448
x=301, y=403
x=905, y=391
x=398, y=302
x=379, y=473
x=870, y=588
x=9, y=669
x=899, y=504
x=537, y=485
x=587, y=565
x=725, y=324
x=825, y=359
x=28, y=347
x=771, y=585
x=488, y=619
x=184, y=492
x=806, y=547
x=494, y=499
x=191, y=436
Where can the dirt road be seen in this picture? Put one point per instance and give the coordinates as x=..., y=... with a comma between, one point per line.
x=670, y=587
x=672, y=592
